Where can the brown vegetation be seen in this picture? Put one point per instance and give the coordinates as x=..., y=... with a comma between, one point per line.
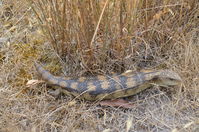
x=98, y=37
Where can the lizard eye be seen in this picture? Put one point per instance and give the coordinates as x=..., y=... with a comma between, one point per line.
x=171, y=79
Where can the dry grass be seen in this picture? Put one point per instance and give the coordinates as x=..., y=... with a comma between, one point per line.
x=98, y=37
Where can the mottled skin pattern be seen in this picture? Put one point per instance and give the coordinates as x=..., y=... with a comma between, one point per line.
x=111, y=87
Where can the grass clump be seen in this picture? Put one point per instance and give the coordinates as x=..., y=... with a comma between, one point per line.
x=104, y=36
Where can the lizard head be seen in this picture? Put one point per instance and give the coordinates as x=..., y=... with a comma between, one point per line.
x=168, y=78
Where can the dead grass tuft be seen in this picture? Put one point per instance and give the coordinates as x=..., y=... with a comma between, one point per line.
x=98, y=37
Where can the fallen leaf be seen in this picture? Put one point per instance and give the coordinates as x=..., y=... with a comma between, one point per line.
x=116, y=103
x=34, y=82
x=107, y=130
x=128, y=124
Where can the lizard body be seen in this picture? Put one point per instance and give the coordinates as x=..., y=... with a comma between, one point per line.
x=111, y=87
